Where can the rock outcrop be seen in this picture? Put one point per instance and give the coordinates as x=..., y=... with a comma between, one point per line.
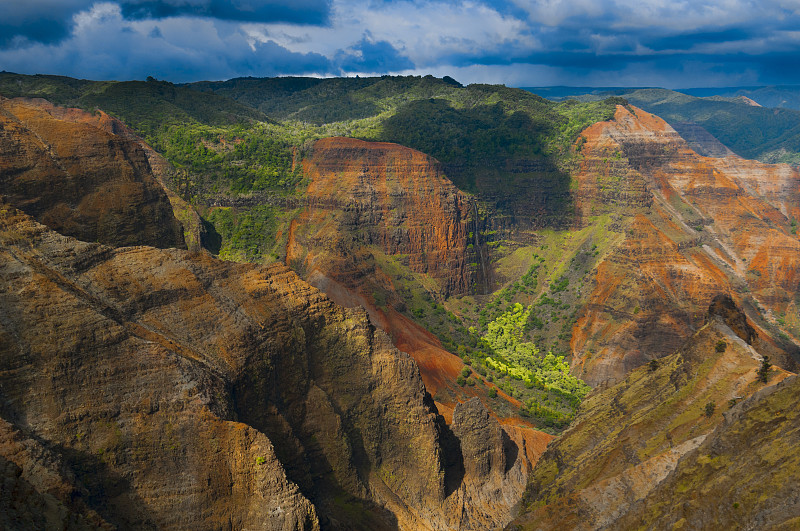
x=364, y=194
x=71, y=171
x=743, y=475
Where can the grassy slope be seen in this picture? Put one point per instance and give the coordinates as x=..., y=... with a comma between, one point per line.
x=636, y=423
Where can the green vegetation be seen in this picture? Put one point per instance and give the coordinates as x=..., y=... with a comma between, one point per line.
x=721, y=346
x=764, y=370
x=238, y=148
x=222, y=142
x=763, y=133
x=248, y=235
x=551, y=394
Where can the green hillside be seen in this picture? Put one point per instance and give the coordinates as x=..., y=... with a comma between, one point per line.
x=762, y=133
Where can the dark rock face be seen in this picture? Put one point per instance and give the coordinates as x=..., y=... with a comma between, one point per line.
x=481, y=439
x=179, y=391
x=69, y=173
x=724, y=307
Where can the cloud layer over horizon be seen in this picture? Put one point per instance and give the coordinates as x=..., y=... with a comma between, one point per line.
x=516, y=42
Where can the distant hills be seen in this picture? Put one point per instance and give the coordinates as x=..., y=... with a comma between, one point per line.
x=768, y=131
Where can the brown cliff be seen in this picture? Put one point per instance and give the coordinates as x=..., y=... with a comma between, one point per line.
x=379, y=213
x=64, y=168
x=180, y=391
x=694, y=227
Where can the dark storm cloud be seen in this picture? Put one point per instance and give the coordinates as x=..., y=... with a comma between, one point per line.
x=51, y=21
x=106, y=46
x=294, y=11
x=37, y=20
x=371, y=56
x=687, y=41
x=735, y=40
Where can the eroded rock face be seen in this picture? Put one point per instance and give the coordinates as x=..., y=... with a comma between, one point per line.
x=737, y=478
x=71, y=171
x=694, y=228
x=378, y=194
x=180, y=391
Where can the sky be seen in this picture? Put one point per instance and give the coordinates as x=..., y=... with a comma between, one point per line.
x=673, y=44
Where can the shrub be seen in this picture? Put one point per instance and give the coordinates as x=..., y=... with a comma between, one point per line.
x=721, y=346
x=653, y=365
x=261, y=460
x=763, y=371
x=470, y=382
x=460, y=380
x=465, y=372
x=710, y=407
x=492, y=393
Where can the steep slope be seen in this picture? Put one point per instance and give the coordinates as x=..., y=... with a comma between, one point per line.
x=386, y=196
x=382, y=221
x=72, y=175
x=181, y=391
x=693, y=227
x=629, y=438
x=750, y=131
x=746, y=466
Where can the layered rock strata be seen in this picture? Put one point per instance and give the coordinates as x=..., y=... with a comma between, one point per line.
x=635, y=447
x=364, y=194
x=71, y=171
x=151, y=388
x=694, y=227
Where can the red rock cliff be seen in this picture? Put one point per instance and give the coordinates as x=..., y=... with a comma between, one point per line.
x=365, y=194
x=694, y=227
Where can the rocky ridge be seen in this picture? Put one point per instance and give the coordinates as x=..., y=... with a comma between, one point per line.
x=184, y=391
x=691, y=227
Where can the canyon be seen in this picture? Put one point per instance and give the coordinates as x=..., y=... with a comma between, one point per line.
x=146, y=383
x=148, y=387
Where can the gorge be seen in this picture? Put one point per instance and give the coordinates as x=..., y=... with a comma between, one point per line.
x=407, y=304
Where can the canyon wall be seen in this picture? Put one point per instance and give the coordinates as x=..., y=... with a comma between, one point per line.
x=382, y=195
x=69, y=169
x=679, y=440
x=169, y=389
x=693, y=227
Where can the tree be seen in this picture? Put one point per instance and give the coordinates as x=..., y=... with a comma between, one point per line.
x=764, y=370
